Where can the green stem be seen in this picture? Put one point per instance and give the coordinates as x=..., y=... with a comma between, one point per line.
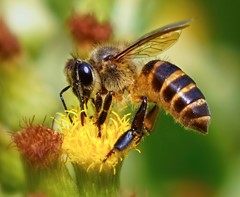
x=53, y=180
x=93, y=183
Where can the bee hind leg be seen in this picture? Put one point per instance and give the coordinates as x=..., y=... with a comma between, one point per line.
x=150, y=119
x=135, y=133
x=103, y=115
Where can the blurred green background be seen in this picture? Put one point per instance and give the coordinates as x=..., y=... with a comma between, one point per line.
x=173, y=162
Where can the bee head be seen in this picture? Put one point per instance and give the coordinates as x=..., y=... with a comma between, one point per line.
x=80, y=76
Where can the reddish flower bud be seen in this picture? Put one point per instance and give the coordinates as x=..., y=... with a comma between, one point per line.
x=86, y=30
x=9, y=45
x=39, y=145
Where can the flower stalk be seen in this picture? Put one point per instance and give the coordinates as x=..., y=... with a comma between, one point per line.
x=97, y=184
x=53, y=180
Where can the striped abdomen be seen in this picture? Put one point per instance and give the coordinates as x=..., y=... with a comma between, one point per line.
x=168, y=86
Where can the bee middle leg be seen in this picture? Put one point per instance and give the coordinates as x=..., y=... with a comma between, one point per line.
x=98, y=102
x=134, y=133
x=106, y=106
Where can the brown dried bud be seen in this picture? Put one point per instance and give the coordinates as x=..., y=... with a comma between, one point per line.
x=86, y=30
x=9, y=45
x=39, y=145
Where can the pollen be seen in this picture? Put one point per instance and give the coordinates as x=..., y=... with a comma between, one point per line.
x=82, y=145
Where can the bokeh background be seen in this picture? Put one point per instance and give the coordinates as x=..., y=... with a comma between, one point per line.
x=36, y=39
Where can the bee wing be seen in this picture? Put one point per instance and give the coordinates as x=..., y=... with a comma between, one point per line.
x=154, y=42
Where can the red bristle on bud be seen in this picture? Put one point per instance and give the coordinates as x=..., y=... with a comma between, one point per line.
x=39, y=145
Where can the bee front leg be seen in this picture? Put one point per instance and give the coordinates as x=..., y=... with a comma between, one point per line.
x=135, y=133
x=63, y=101
x=103, y=115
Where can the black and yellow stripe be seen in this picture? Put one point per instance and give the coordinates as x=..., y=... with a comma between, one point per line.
x=176, y=92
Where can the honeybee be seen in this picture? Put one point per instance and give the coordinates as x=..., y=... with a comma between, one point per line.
x=111, y=70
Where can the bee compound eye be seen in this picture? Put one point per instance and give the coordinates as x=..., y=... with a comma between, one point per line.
x=85, y=73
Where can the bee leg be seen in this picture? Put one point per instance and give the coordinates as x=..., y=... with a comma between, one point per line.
x=134, y=133
x=81, y=100
x=98, y=102
x=150, y=119
x=82, y=113
x=63, y=102
x=82, y=116
x=103, y=115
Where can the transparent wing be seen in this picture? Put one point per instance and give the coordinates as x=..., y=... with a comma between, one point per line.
x=154, y=42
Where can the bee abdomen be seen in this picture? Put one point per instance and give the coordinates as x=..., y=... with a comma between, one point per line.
x=178, y=94
x=196, y=116
x=189, y=107
x=175, y=86
x=185, y=97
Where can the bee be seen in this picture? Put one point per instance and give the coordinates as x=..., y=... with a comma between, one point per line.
x=111, y=70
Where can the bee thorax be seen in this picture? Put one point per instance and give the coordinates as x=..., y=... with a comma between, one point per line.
x=116, y=77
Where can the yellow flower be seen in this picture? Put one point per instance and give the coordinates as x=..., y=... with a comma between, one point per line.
x=83, y=146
